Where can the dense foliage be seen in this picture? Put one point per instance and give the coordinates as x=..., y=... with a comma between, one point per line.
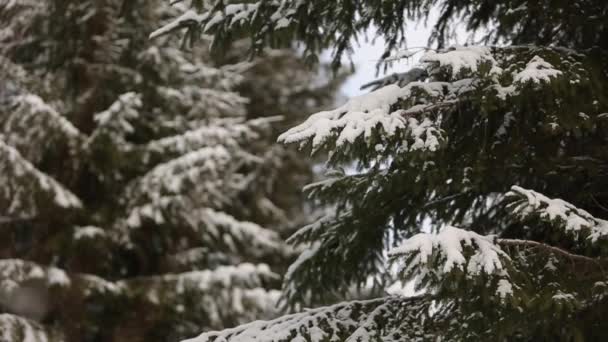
x=483, y=169
x=143, y=197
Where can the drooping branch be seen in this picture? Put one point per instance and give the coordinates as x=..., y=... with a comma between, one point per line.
x=552, y=249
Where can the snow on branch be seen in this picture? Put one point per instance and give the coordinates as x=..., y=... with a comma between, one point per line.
x=114, y=121
x=206, y=177
x=361, y=115
x=13, y=272
x=198, y=102
x=32, y=125
x=188, y=18
x=237, y=235
x=30, y=190
x=233, y=15
x=536, y=71
x=230, y=133
x=462, y=58
x=528, y=204
x=448, y=246
x=431, y=259
x=180, y=174
x=14, y=328
x=383, y=319
x=244, y=275
x=239, y=290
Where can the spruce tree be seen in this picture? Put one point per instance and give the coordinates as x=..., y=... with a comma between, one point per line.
x=500, y=147
x=141, y=197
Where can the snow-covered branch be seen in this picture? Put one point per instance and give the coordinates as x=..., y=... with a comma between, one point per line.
x=529, y=204
x=431, y=259
x=448, y=247
x=114, y=122
x=31, y=126
x=15, y=328
x=27, y=190
x=362, y=115
x=380, y=319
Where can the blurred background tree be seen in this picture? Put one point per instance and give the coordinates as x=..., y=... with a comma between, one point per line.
x=143, y=196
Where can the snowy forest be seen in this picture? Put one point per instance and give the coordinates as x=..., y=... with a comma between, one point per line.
x=189, y=170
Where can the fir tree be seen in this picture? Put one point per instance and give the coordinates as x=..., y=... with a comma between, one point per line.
x=501, y=146
x=140, y=196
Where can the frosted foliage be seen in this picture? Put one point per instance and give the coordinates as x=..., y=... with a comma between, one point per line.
x=114, y=121
x=227, y=132
x=388, y=319
x=11, y=30
x=193, y=73
x=186, y=18
x=562, y=214
x=206, y=103
x=416, y=108
x=13, y=272
x=14, y=328
x=306, y=255
x=32, y=125
x=179, y=174
x=152, y=210
x=244, y=275
x=361, y=115
x=357, y=117
x=224, y=290
x=88, y=232
x=203, y=178
x=91, y=284
x=231, y=15
x=449, y=245
x=460, y=58
x=536, y=71
x=36, y=190
x=220, y=231
x=504, y=289
x=237, y=235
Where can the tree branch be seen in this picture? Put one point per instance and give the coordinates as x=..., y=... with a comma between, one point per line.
x=7, y=219
x=551, y=249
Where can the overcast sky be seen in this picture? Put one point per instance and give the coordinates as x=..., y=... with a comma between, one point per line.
x=368, y=52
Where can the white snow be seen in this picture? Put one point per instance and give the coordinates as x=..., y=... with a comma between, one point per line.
x=189, y=16
x=341, y=322
x=504, y=288
x=251, y=237
x=362, y=114
x=449, y=243
x=302, y=258
x=359, y=115
x=38, y=107
x=460, y=58
x=33, y=126
x=88, y=232
x=114, y=121
x=15, y=271
x=174, y=175
x=17, y=170
x=566, y=215
x=537, y=70
x=15, y=328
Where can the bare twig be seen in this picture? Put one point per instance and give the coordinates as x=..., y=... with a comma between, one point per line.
x=549, y=248
x=597, y=203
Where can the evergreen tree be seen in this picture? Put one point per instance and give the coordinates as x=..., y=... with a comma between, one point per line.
x=141, y=197
x=501, y=146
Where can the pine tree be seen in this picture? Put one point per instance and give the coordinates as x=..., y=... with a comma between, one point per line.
x=500, y=147
x=143, y=198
